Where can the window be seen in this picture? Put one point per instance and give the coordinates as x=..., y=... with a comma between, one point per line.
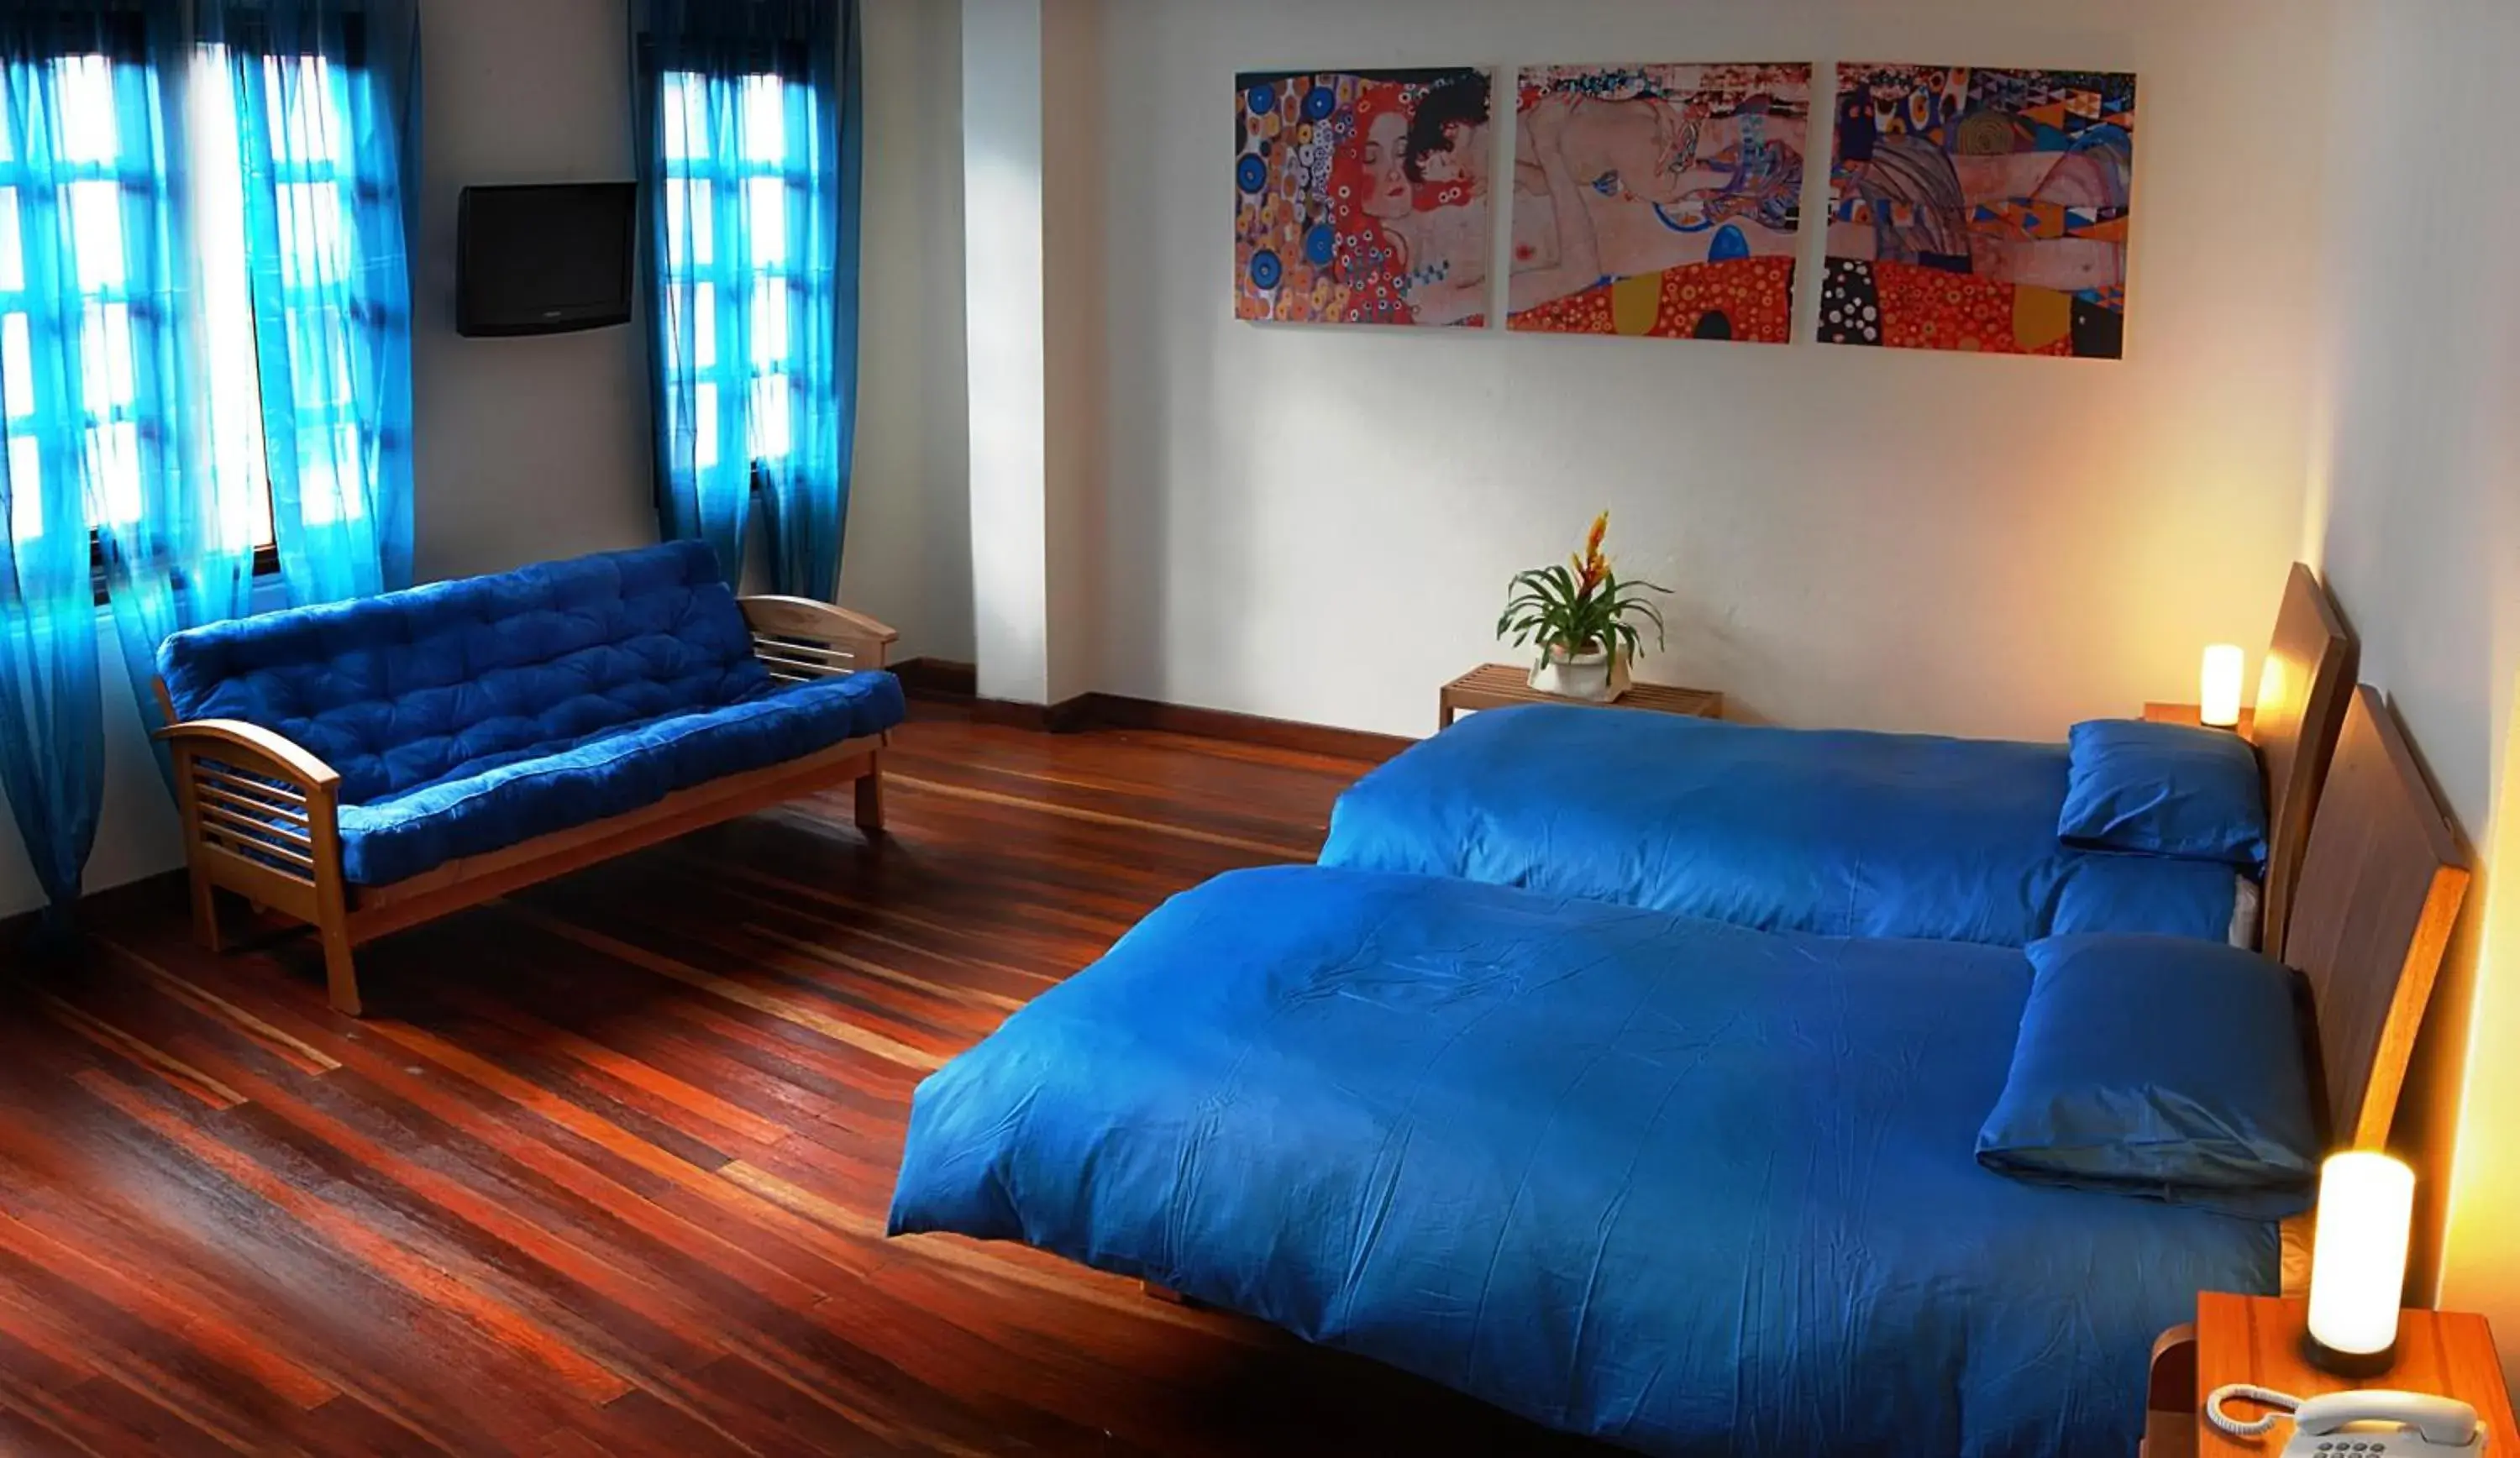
x=78, y=201
x=97, y=190
x=727, y=249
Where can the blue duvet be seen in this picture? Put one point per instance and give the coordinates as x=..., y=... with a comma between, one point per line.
x=1691, y=1187
x=1840, y=832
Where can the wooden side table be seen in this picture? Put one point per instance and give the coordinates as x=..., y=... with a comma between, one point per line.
x=2257, y=1339
x=2188, y=714
x=1500, y=685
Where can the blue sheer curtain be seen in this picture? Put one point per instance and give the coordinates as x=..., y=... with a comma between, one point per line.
x=175, y=489
x=52, y=731
x=204, y=339
x=751, y=159
x=327, y=95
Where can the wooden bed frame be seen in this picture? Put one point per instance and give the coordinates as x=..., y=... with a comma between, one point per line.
x=2308, y=677
x=2382, y=881
x=261, y=813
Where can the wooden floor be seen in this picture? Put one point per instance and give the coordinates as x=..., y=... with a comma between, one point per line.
x=607, y=1172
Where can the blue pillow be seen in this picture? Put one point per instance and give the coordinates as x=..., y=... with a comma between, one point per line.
x=2160, y=1067
x=2163, y=789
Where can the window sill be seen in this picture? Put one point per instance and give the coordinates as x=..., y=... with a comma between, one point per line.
x=266, y=571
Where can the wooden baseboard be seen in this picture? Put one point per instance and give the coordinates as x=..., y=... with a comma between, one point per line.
x=1066, y=718
x=1116, y=711
x=946, y=679
x=938, y=678
x=132, y=898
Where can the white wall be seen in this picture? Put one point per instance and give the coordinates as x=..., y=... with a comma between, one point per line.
x=534, y=449
x=1318, y=523
x=1075, y=223
x=1005, y=334
x=527, y=449
x=909, y=559
x=2415, y=509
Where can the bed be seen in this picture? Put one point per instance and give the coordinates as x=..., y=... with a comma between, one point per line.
x=1687, y=1186
x=1833, y=831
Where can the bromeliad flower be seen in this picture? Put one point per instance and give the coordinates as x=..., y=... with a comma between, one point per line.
x=1581, y=607
x=1591, y=566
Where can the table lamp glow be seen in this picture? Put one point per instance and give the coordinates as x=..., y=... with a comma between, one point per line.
x=2220, y=698
x=2358, y=1269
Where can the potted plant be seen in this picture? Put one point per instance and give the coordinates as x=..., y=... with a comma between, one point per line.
x=1583, y=621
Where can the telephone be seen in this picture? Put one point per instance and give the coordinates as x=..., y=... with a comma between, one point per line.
x=2368, y=1424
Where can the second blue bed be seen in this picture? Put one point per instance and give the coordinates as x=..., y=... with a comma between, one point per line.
x=1838, y=832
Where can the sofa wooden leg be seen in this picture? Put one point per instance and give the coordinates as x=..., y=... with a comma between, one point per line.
x=205, y=913
x=870, y=799
x=341, y=972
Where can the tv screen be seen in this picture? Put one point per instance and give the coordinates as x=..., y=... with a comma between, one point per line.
x=544, y=259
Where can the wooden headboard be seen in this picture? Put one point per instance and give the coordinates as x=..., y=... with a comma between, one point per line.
x=2380, y=890
x=2301, y=709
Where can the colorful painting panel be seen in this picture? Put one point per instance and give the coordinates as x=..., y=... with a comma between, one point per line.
x=1983, y=211
x=1661, y=201
x=1361, y=196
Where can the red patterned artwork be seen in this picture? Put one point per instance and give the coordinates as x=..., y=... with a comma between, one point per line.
x=1980, y=210
x=1661, y=201
x=1361, y=196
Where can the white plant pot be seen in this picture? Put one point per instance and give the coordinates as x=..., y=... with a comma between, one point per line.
x=1590, y=677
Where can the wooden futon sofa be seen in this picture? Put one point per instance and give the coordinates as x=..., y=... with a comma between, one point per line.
x=368, y=767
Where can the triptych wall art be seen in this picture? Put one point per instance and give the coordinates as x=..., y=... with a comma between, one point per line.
x=1968, y=209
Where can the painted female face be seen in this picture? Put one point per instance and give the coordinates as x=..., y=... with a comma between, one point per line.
x=1385, y=168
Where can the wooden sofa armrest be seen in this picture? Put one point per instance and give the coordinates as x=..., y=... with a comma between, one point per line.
x=262, y=818
x=260, y=805
x=800, y=639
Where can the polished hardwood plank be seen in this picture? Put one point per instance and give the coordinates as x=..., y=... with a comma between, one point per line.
x=606, y=1170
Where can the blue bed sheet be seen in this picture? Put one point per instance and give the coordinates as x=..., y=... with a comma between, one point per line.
x=1840, y=833
x=1689, y=1187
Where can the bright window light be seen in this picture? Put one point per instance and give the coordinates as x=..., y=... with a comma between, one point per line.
x=17, y=363
x=13, y=252
x=113, y=463
x=84, y=86
x=689, y=224
x=300, y=88
x=764, y=127
x=227, y=307
x=765, y=220
x=96, y=226
x=26, y=500
x=105, y=355
x=304, y=99
x=770, y=322
x=704, y=426
x=773, y=432
x=752, y=173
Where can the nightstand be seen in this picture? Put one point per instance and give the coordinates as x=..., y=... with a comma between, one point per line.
x=1500, y=685
x=2257, y=1339
x=2187, y=714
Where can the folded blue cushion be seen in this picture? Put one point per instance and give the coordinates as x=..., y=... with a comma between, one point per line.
x=2163, y=789
x=2160, y=1067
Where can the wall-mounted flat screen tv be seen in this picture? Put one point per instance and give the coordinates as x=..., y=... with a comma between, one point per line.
x=544, y=259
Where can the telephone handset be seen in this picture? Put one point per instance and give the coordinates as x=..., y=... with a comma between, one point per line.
x=2367, y=1424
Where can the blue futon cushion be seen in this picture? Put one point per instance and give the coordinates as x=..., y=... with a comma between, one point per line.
x=470, y=716
x=606, y=774
x=2162, y=1067
x=2163, y=789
